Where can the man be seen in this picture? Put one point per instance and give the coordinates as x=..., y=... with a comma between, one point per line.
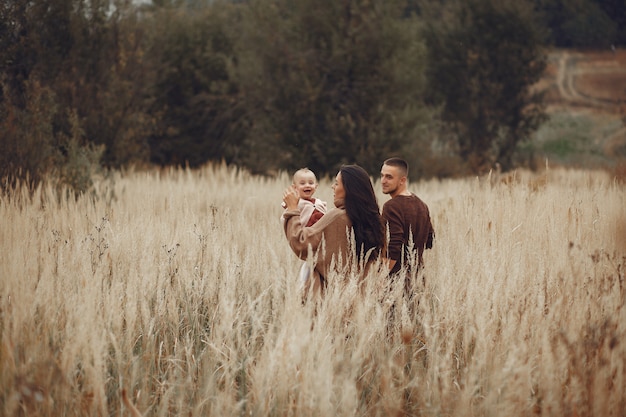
x=407, y=219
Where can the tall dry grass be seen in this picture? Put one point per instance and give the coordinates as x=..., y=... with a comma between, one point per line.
x=179, y=288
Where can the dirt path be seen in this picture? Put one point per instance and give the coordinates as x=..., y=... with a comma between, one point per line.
x=593, y=84
x=564, y=79
x=569, y=67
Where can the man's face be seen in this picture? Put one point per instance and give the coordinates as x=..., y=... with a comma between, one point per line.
x=390, y=180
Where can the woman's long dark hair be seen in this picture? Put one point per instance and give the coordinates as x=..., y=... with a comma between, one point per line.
x=362, y=209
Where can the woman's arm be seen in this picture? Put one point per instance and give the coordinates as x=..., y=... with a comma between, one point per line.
x=301, y=238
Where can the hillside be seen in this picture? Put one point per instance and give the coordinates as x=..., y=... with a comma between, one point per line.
x=588, y=80
x=586, y=99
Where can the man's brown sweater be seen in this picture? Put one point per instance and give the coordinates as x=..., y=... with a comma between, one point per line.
x=407, y=218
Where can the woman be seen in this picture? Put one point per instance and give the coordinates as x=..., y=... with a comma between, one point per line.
x=355, y=214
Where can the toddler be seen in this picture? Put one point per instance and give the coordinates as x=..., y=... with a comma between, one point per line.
x=311, y=208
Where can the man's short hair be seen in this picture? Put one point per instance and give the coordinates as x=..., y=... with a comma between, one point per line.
x=399, y=163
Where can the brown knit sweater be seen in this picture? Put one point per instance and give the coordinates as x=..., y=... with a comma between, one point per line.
x=327, y=239
x=408, y=218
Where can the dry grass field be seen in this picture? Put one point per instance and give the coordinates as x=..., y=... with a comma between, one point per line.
x=178, y=289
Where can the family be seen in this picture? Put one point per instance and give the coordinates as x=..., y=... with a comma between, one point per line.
x=355, y=234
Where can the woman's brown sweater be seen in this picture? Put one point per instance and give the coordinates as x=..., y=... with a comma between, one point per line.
x=327, y=240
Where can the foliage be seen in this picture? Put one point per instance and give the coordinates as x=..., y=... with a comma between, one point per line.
x=616, y=11
x=330, y=83
x=273, y=85
x=582, y=23
x=565, y=139
x=27, y=143
x=30, y=149
x=195, y=94
x=78, y=161
x=65, y=57
x=483, y=57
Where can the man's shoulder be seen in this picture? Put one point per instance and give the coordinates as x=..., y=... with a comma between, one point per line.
x=417, y=198
x=392, y=208
x=403, y=202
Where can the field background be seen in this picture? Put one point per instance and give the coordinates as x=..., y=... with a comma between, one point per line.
x=178, y=288
x=585, y=94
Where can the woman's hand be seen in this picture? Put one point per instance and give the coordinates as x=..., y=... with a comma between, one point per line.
x=290, y=199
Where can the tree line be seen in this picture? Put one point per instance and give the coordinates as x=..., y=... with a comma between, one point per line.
x=279, y=84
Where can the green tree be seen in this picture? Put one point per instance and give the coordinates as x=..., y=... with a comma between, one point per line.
x=27, y=144
x=29, y=106
x=483, y=58
x=105, y=79
x=195, y=94
x=330, y=82
x=580, y=23
x=616, y=10
x=70, y=77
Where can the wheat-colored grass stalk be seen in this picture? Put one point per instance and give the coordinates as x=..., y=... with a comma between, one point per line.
x=178, y=289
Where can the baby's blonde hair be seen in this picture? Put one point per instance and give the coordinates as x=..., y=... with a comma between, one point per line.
x=304, y=170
